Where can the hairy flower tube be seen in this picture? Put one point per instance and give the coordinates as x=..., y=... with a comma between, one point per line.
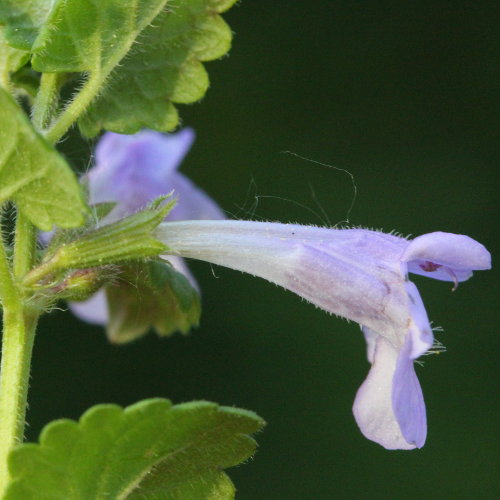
x=133, y=170
x=358, y=274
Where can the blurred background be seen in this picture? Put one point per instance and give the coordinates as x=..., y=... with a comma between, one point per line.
x=403, y=95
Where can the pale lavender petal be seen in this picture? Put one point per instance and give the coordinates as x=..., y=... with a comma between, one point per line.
x=419, y=328
x=373, y=406
x=389, y=407
x=133, y=170
x=446, y=256
x=192, y=202
x=371, y=342
x=407, y=398
x=93, y=310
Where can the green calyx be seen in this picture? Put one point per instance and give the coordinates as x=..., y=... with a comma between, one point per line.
x=125, y=240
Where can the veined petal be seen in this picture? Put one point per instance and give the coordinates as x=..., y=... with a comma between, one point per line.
x=353, y=273
x=407, y=398
x=133, y=170
x=446, y=256
x=389, y=408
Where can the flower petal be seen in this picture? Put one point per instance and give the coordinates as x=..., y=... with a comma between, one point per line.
x=133, y=170
x=419, y=328
x=93, y=310
x=394, y=426
x=446, y=256
x=192, y=202
x=407, y=398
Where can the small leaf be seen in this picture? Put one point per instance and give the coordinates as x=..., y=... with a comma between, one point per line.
x=23, y=19
x=150, y=450
x=34, y=175
x=151, y=294
x=90, y=35
x=165, y=67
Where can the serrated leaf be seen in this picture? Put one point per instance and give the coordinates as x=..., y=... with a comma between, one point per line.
x=91, y=35
x=150, y=450
x=165, y=67
x=34, y=175
x=151, y=294
x=23, y=19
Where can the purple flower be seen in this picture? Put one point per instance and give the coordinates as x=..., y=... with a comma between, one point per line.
x=360, y=275
x=133, y=170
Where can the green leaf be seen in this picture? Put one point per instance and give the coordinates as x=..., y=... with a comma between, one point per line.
x=10, y=60
x=165, y=67
x=150, y=450
x=23, y=19
x=34, y=175
x=151, y=294
x=91, y=35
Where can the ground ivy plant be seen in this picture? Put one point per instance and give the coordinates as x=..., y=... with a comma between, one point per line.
x=112, y=245
x=128, y=64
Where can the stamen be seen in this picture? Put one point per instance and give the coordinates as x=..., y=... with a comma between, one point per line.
x=453, y=277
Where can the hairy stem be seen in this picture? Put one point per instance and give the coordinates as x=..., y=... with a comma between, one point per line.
x=46, y=101
x=19, y=325
x=74, y=109
x=19, y=322
x=24, y=245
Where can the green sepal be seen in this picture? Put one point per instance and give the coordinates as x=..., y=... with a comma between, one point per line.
x=129, y=238
x=34, y=175
x=165, y=67
x=79, y=285
x=150, y=450
x=150, y=294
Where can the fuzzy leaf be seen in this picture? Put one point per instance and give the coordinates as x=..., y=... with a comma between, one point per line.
x=150, y=450
x=151, y=294
x=165, y=67
x=23, y=19
x=34, y=175
x=91, y=35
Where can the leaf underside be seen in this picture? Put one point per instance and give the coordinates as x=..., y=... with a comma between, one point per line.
x=150, y=294
x=150, y=450
x=34, y=175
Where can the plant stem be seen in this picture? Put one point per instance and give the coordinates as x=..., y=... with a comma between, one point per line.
x=8, y=291
x=24, y=245
x=19, y=322
x=74, y=109
x=19, y=325
x=46, y=101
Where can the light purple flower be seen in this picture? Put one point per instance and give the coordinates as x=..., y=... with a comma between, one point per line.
x=133, y=170
x=360, y=275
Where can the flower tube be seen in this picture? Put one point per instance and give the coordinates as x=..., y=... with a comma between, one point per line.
x=360, y=275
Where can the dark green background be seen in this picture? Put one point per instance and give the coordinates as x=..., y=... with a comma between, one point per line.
x=405, y=96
